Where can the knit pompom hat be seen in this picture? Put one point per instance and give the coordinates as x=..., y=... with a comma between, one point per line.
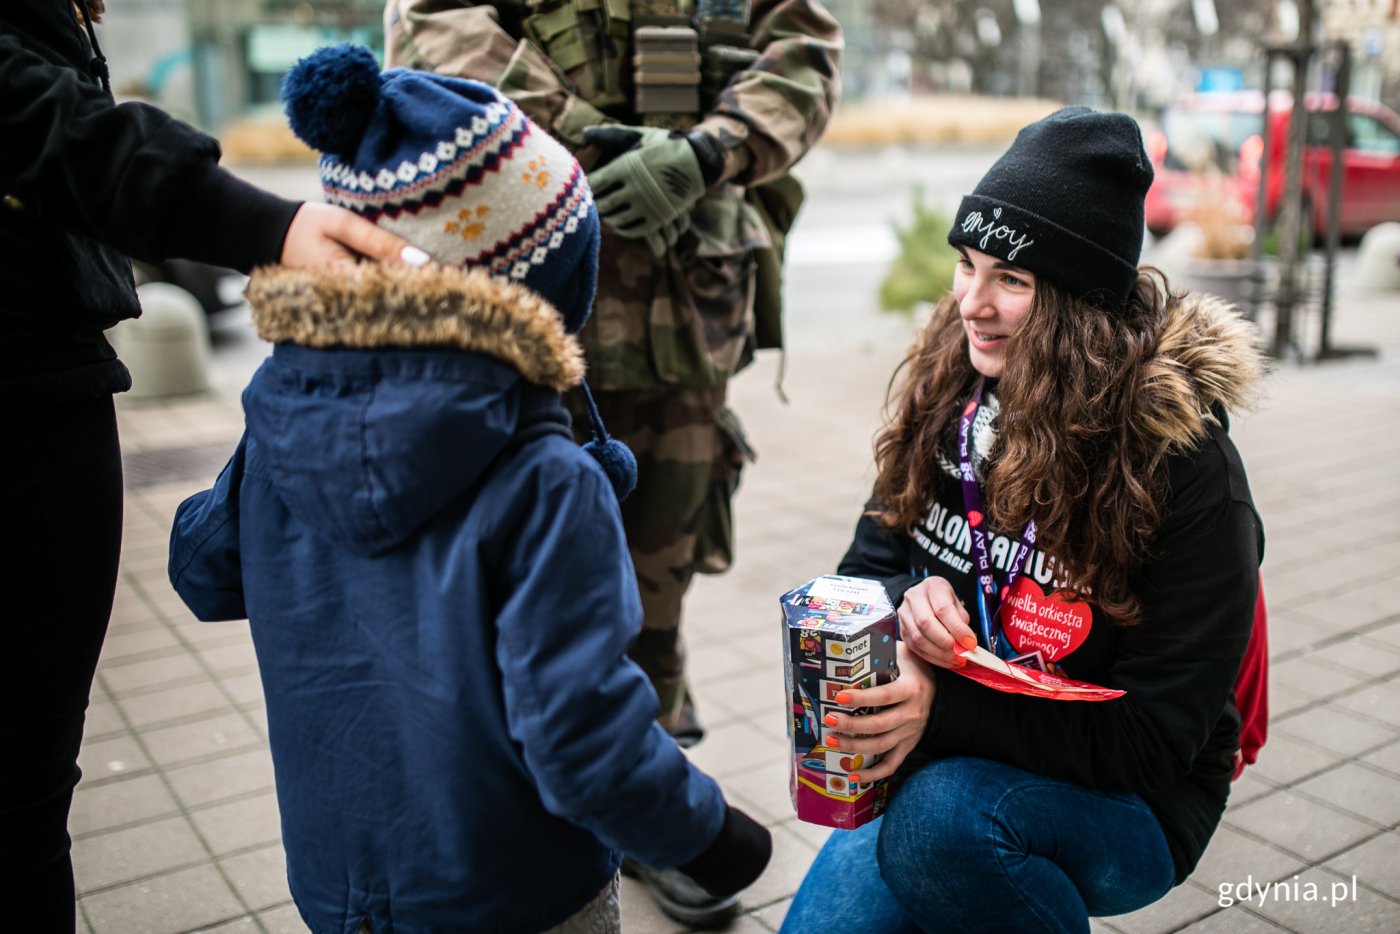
x=1066, y=203
x=455, y=168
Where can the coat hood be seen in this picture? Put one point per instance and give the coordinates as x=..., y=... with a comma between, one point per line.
x=1207, y=363
x=392, y=390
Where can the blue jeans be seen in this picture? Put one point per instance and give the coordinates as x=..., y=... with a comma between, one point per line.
x=974, y=845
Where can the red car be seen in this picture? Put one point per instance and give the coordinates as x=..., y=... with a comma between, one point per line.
x=1221, y=131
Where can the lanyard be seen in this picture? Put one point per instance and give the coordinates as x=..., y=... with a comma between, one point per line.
x=988, y=602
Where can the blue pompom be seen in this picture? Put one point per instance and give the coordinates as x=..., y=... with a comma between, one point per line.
x=617, y=462
x=331, y=95
x=613, y=456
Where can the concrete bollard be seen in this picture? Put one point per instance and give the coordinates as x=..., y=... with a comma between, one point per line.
x=1378, y=259
x=167, y=348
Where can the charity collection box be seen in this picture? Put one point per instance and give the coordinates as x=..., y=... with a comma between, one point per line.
x=838, y=633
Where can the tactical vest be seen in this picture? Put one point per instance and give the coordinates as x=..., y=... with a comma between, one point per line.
x=665, y=63
x=660, y=62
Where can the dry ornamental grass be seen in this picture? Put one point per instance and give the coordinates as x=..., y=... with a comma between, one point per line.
x=1221, y=218
x=934, y=120
x=262, y=141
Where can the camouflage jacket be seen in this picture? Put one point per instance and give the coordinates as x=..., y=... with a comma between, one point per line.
x=688, y=318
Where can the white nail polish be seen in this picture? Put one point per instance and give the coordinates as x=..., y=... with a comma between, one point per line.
x=414, y=256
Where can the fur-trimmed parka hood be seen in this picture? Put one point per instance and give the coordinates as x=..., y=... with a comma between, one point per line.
x=1207, y=362
x=380, y=306
x=391, y=390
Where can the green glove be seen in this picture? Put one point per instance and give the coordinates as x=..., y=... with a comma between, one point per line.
x=666, y=235
x=646, y=181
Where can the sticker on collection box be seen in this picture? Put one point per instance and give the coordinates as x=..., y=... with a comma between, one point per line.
x=848, y=670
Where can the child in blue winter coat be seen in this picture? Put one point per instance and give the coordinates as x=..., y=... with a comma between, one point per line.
x=435, y=573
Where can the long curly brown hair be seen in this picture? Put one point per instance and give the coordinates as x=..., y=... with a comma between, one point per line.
x=1069, y=453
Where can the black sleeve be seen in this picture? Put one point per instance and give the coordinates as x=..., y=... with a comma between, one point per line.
x=879, y=553
x=130, y=176
x=1178, y=667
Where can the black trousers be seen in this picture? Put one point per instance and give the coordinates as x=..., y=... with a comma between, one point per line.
x=60, y=541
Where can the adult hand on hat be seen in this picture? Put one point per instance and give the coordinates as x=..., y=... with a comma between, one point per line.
x=326, y=235
x=646, y=182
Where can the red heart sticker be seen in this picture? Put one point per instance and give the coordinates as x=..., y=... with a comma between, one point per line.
x=974, y=518
x=1050, y=625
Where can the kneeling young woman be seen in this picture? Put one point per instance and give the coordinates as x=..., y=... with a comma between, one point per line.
x=1073, y=408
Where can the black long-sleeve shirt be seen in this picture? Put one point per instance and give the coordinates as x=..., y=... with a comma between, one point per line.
x=84, y=184
x=1172, y=737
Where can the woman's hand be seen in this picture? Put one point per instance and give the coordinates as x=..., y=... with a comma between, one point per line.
x=893, y=731
x=933, y=623
x=327, y=235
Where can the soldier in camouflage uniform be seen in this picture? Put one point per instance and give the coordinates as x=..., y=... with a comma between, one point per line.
x=683, y=300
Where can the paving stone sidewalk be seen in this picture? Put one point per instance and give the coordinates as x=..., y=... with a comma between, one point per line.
x=175, y=823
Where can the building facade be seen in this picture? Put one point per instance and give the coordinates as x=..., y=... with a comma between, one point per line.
x=1372, y=27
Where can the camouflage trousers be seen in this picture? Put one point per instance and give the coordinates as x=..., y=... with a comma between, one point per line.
x=689, y=451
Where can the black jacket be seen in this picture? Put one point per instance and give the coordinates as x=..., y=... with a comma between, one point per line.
x=1172, y=737
x=83, y=185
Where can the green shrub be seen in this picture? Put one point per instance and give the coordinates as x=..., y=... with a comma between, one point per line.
x=923, y=270
x=1272, y=241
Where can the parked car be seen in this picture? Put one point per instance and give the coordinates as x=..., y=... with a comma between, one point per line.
x=1221, y=131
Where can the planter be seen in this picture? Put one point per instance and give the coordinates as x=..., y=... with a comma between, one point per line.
x=1241, y=282
x=1230, y=279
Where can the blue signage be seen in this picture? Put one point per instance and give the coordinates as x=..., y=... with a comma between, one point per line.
x=1221, y=79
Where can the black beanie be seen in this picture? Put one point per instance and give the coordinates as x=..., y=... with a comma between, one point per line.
x=1065, y=203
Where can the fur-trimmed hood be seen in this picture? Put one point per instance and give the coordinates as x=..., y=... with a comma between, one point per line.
x=1208, y=361
x=375, y=305
x=392, y=390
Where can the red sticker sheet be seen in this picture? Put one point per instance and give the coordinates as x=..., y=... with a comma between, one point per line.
x=985, y=668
